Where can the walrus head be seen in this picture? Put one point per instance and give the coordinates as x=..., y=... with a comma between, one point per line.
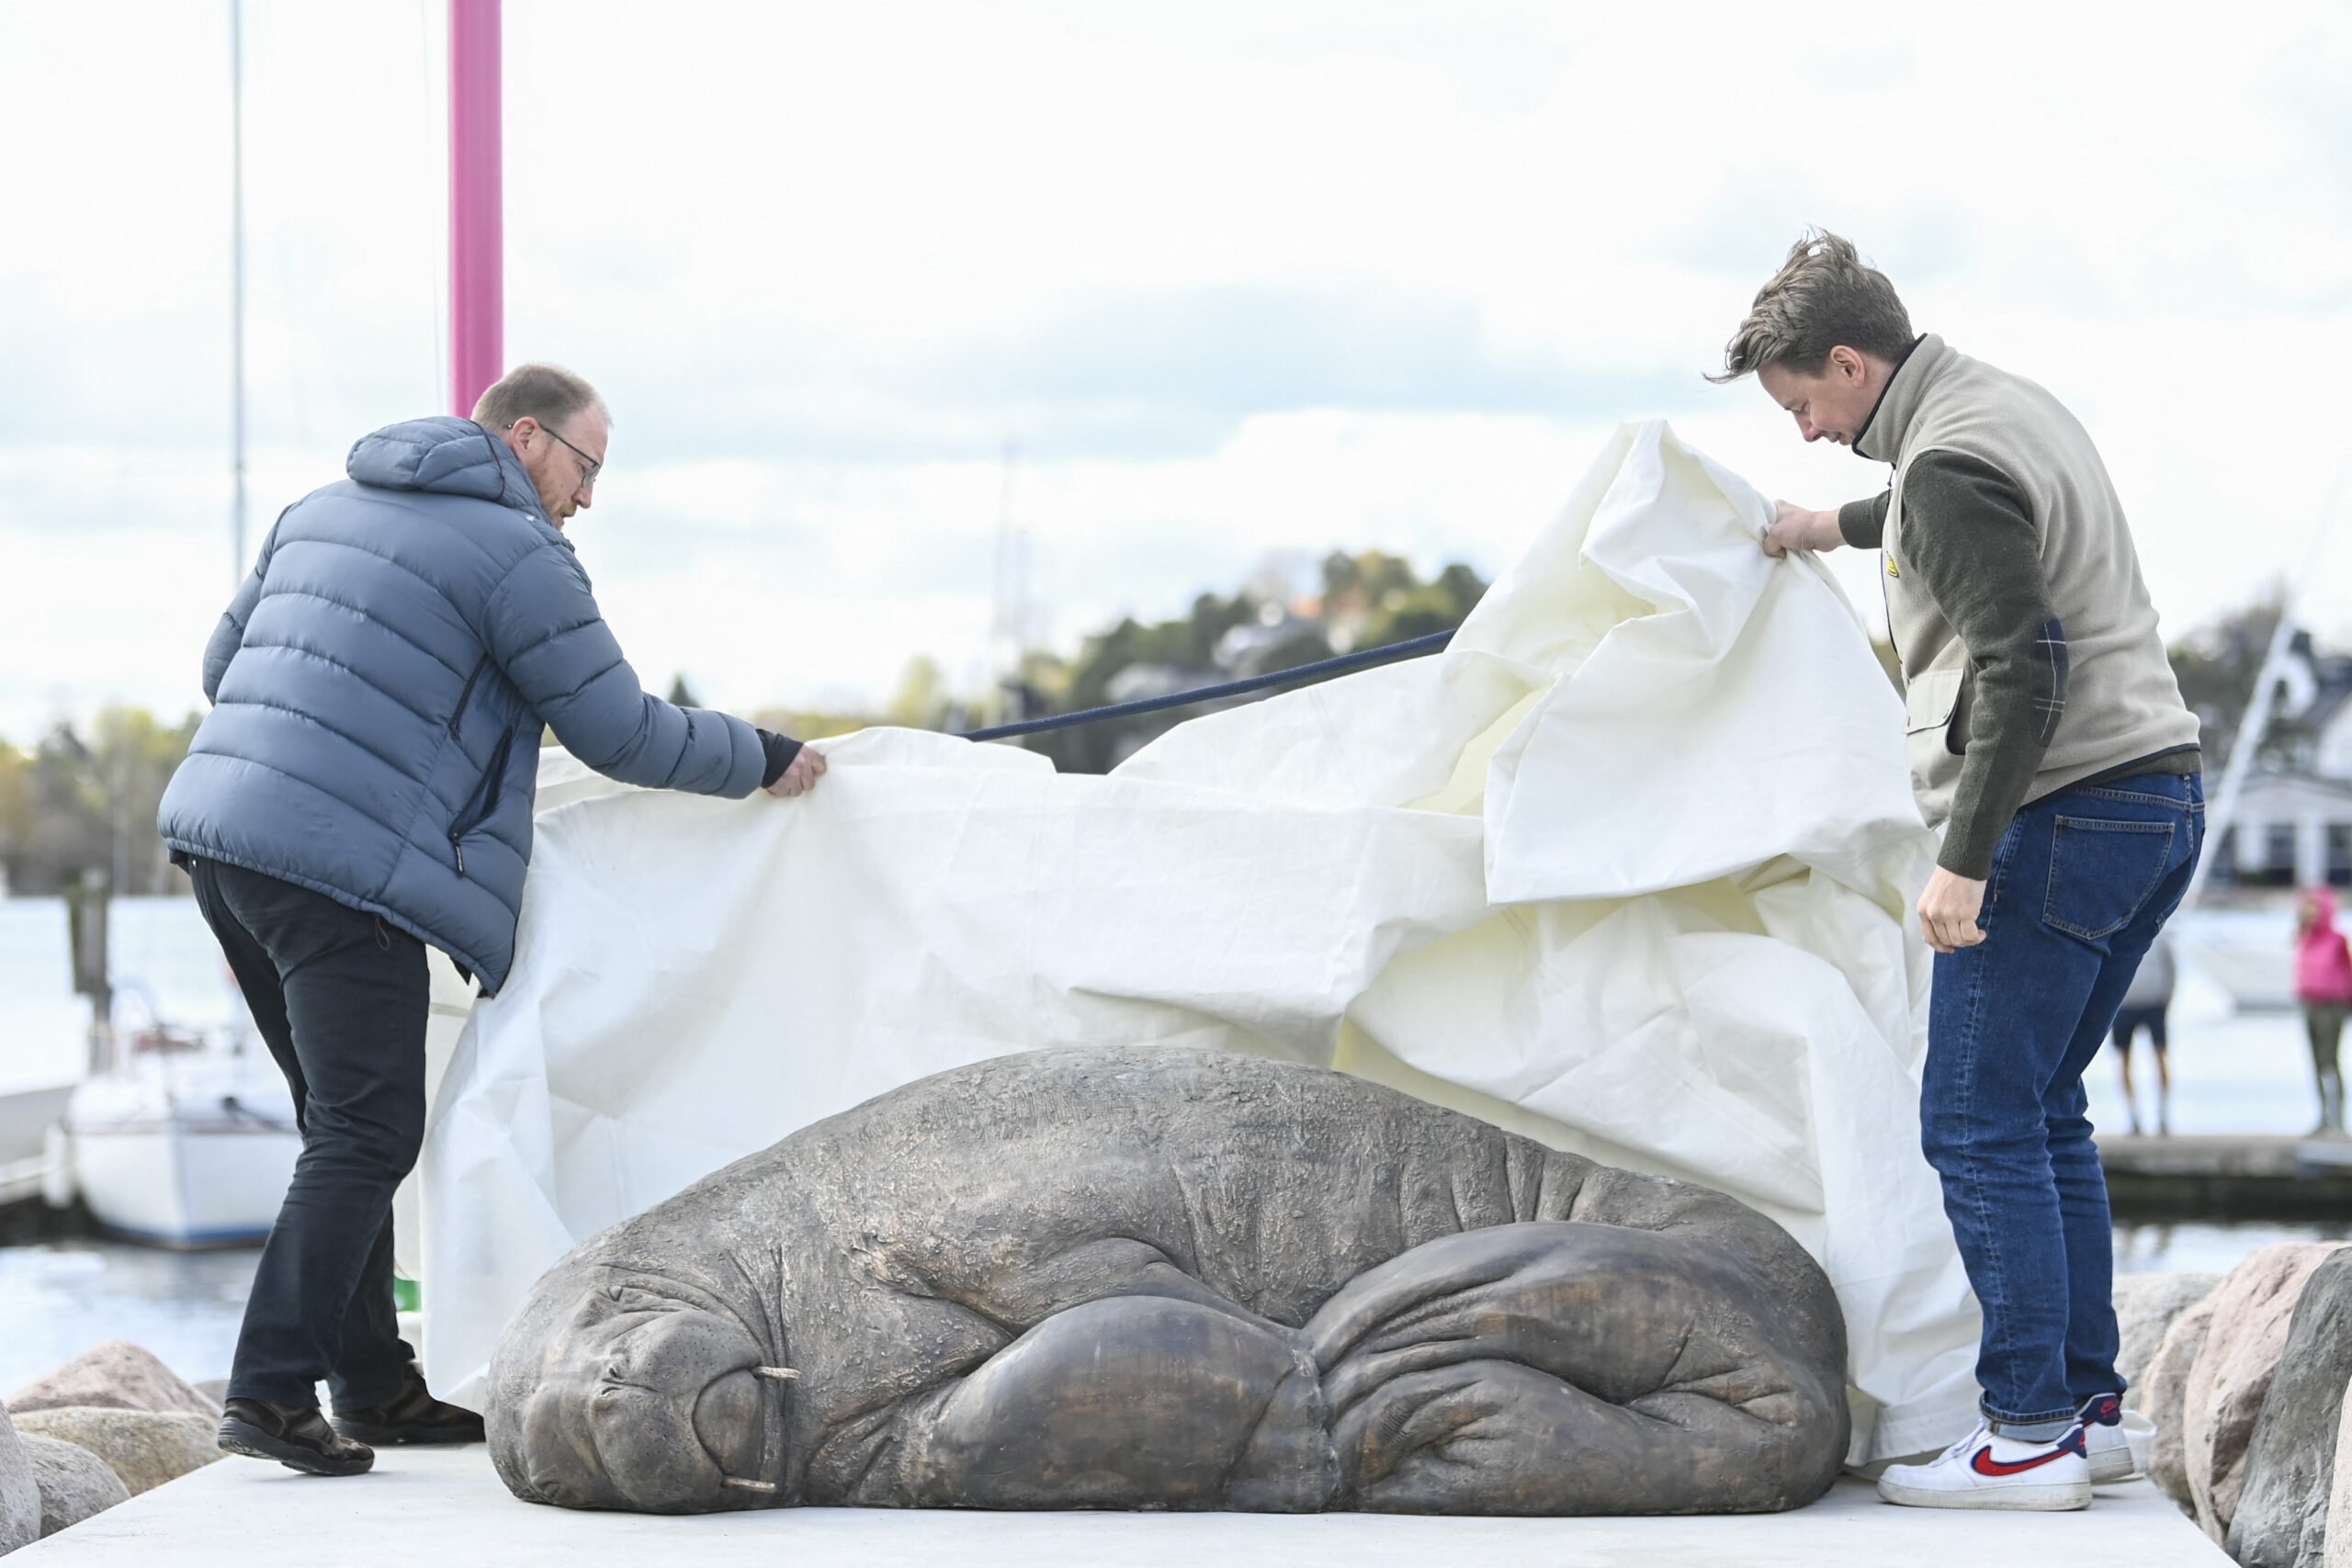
x=647, y=1395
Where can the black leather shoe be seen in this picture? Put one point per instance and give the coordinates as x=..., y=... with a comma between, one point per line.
x=412, y=1415
x=295, y=1436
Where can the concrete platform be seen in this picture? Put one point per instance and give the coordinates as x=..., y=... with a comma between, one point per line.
x=2242, y=1177
x=444, y=1509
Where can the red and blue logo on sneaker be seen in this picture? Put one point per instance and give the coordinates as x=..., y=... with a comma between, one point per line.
x=2107, y=1410
x=1983, y=1463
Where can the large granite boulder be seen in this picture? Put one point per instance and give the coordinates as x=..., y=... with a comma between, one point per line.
x=2281, y=1518
x=117, y=1375
x=75, y=1483
x=19, y=1492
x=2232, y=1373
x=2162, y=1397
x=2145, y=1306
x=1159, y=1278
x=2338, y=1546
x=146, y=1447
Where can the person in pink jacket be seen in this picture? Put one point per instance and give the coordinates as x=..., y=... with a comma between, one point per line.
x=2323, y=983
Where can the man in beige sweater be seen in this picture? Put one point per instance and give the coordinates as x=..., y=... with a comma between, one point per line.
x=2047, y=738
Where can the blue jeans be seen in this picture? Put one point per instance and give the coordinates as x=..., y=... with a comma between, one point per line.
x=2081, y=884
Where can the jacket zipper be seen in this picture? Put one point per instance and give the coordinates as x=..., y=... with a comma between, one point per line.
x=457, y=714
x=1885, y=594
x=485, y=796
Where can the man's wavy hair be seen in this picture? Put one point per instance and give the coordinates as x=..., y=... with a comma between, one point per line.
x=1824, y=295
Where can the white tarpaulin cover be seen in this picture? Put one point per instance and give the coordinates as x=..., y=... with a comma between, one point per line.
x=1627, y=869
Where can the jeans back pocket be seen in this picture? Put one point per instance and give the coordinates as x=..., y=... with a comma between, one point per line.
x=2102, y=872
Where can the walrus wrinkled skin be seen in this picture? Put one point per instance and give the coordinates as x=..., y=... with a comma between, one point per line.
x=1159, y=1278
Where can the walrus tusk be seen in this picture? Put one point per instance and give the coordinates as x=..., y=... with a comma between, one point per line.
x=782, y=1374
x=751, y=1485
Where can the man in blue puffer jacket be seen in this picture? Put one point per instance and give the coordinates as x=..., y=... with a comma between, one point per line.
x=363, y=789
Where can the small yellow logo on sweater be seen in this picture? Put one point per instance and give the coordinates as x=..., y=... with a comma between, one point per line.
x=1891, y=572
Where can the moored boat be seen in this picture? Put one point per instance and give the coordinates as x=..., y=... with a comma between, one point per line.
x=183, y=1143
x=182, y=1140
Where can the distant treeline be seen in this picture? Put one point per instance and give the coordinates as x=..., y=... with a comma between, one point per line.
x=73, y=802
x=1366, y=601
x=1363, y=601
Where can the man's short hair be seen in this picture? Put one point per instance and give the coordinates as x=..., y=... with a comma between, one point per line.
x=1823, y=297
x=548, y=393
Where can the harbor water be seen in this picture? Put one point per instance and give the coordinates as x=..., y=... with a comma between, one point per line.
x=57, y=1299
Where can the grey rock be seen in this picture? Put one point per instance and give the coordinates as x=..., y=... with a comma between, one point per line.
x=2281, y=1518
x=117, y=1375
x=75, y=1483
x=1159, y=1277
x=2337, y=1547
x=2145, y=1306
x=2232, y=1373
x=146, y=1447
x=214, y=1388
x=20, y=1491
x=2164, y=1400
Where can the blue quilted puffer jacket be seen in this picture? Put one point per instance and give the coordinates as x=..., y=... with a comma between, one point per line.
x=379, y=686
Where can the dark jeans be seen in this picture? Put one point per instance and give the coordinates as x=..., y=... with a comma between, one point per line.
x=340, y=997
x=2081, y=884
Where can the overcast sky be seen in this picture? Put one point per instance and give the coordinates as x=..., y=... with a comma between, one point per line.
x=1237, y=280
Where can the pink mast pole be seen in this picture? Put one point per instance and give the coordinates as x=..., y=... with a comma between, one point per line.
x=477, y=206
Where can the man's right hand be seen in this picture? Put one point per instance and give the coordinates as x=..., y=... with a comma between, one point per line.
x=801, y=773
x=1796, y=529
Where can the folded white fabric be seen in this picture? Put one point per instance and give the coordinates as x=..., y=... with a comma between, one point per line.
x=1626, y=868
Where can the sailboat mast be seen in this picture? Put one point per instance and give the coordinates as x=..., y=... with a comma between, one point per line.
x=2220, y=813
x=237, y=289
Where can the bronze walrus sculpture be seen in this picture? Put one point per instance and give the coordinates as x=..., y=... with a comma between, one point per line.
x=1159, y=1278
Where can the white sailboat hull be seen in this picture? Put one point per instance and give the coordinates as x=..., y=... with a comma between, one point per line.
x=189, y=1152
x=179, y=1184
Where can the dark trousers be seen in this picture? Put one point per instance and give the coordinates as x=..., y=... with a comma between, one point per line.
x=2323, y=1022
x=2082, y=882
x=340, y=997
x=2130, y=1021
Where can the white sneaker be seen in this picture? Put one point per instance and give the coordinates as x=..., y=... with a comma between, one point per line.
x=2115, y=1440
x=1985, y=1469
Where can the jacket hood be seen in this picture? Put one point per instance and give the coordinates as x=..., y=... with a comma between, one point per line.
x=2325, y=900
x=445, y=456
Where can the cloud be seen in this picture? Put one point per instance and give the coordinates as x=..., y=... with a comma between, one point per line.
x=1124, y=374
x=1237, y=350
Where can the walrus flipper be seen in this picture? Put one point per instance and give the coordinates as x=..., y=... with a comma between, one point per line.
x=1129, y=1401
x=1561, y=1367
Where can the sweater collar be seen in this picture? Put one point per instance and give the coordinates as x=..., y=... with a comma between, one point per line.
x=1882, y=435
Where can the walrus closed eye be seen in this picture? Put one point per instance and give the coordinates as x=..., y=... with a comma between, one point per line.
x=1174, y=1279
x=650, y=1404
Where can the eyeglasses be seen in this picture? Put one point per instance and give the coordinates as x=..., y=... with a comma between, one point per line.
x=589, y=466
